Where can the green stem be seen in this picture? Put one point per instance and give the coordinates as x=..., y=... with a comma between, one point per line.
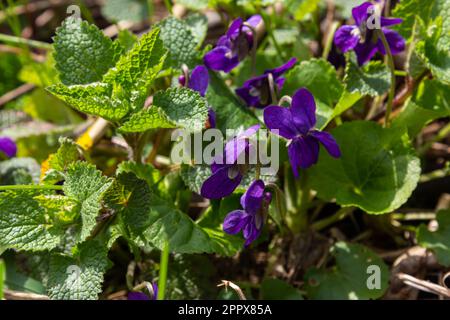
x=168, y=5
x=22, y=41
x=444, y=132
x=329, y=41
x=391, y=65
x=164, y=265
x=297, y=218
x=31, y=187
x=304, y=204
x=276, y=45
x=436, y=174
x=267, y=21
x=257, y=171
x=339, y=215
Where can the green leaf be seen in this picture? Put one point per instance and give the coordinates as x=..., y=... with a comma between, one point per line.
x=438, y=241
x=144, y=120
x=302, y=8
x=183, y=107
x=230, y=112
x=212, y=222
x=315, y=75
x=24, y=224
x=62, y=210
x=67, y=154
x=85, y=184
x=346, y=101
x=429, y=102
x=373, y=79
x=41, y=74
x=41, y=105
x=146, y=218
x=130, y=197
x=194, y=4
x=126, y=10
x=286, y=36
x=274, y=289
x=17, y=281
x=377, y=171
x=143, y=171
x=95, y=99
x=179, y=40
x=198, y=24
x=126, y=39
x=54, y=167
x=434, y=52
x=183, y=234
x=79, y=277
x=140, y=65
x=409, y=11
x=83, y=54
x=350, y=278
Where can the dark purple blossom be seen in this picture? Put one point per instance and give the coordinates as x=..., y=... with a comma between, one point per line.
x=232, y=47
x=8, y=147
x=364, y=41
x=211, y=118
x=256, y=91
x=199, y=81
x=297, y=124
x=255, y=202
x=143, y=296
x=137, y=296
x=229, y=168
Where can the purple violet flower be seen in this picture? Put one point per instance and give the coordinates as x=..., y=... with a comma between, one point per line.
x=211, y=119
x=143, y=296
x=199, y=81
x=232, y=47
x=8, y=147
x=297, y=124
x=227, y=170
x=255, y=203
x=256, y=91
x=364, y=41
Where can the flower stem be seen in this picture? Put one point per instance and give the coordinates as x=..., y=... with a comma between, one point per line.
x=257, y=171
x=273, y=93
x=304, y=204
x=168, y=5
x=339, y=215
x=22, y=41
x=267, y=22
x=444, y=132
x=31, y=187
x=254, y=46
x=391, y=65
x=285, y=99
x=164, y=265
x=329, y=40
